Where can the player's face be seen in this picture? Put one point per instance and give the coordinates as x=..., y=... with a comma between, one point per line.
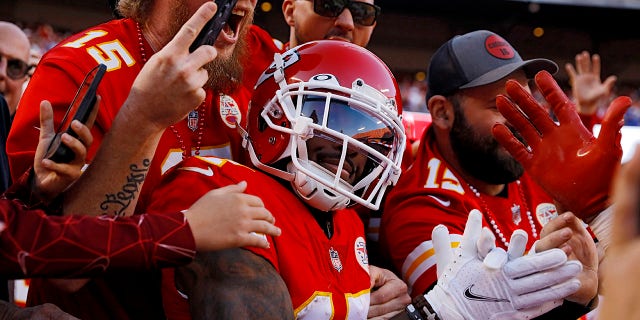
x=14, y=57
x=327, y=154
x=478, y=152
x=307, y=25
x=231, y=44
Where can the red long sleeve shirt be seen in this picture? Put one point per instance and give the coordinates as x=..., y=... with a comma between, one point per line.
x=33, y=244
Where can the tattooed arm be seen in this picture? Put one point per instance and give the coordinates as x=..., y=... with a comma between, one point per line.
x=167, y=88
x=234, y=284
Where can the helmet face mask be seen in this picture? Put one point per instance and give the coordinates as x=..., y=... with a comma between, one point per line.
x=342, y=144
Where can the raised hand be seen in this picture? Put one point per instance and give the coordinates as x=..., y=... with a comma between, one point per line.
x=167, y=88
x=503, y=285
x=171, y=82
x=587, y=88
x=565, y=159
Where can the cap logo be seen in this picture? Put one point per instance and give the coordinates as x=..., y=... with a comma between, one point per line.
x=499, y=48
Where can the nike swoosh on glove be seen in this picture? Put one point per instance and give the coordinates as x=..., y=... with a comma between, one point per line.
x=502, y=285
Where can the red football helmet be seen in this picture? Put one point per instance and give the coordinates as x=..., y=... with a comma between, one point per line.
x=326, y=116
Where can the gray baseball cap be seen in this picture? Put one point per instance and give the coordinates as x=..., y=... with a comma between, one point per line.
x=475, y=59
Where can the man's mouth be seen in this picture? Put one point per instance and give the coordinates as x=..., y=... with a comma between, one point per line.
x=331, y=163
x=232, y=27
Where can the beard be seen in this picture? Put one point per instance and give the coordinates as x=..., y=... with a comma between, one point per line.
x=225, y=73
x=482, y=157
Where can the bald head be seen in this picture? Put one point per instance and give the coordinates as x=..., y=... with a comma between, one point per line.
x=14, y=45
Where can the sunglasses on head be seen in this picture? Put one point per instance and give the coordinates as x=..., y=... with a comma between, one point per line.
x=16, y=68
x=364, y=14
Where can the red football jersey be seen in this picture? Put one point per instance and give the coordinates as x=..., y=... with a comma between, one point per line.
x=57, y=77
x=432, y=193
x=262, y=47
x=116, y=44
x=326, y=278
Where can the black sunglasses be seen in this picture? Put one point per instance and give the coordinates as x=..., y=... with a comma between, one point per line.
x=364, y=14
x=16, y=68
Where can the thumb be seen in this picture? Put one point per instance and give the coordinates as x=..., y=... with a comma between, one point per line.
x=517, y=244
x=610, y=82
x=46, y=119
x=613, y=121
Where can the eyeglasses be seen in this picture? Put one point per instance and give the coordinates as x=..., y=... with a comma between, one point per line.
x=364, y=14
x=16, y=68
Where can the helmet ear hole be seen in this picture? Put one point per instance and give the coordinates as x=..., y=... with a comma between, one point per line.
x=262, y=124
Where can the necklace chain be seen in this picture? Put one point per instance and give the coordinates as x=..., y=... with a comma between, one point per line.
x=200, y=111
x=492, y=219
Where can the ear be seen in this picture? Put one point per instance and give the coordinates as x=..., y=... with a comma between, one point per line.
x=441, y=110
x=288, y=6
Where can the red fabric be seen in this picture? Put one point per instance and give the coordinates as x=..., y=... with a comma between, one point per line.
x=412, y=210
x=59, y=246
x=262, y=47
x=300, y=254
x=57, y=77
x=63, y=68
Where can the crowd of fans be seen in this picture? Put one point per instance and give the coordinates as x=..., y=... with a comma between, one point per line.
x=307, y=157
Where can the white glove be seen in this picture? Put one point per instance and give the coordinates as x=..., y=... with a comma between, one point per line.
x=502, y=285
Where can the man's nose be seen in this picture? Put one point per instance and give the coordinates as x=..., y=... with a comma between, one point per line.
x=345, y=20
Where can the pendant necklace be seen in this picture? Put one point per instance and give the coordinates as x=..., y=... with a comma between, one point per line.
x=195, y=119
x=492, y=219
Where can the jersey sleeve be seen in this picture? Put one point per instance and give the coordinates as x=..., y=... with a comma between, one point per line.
x=405, y=235
x=74, y=246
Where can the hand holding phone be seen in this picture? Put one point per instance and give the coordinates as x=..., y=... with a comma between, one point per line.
x=211, y=30
x=80, y=109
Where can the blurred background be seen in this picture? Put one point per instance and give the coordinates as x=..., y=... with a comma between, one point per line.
x=409, y=31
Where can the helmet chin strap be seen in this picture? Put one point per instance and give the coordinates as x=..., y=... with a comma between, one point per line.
x=315, y=193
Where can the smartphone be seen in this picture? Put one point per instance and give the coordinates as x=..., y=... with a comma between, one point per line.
x=211, y=30
x=80, y=109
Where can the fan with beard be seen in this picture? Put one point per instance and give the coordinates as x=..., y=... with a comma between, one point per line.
x=225, y=73
x=482, y=157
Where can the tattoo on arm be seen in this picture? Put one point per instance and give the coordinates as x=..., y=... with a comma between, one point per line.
x=116, y=204
x=234, y=284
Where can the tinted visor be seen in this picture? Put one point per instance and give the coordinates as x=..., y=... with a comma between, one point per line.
x=353, y=122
